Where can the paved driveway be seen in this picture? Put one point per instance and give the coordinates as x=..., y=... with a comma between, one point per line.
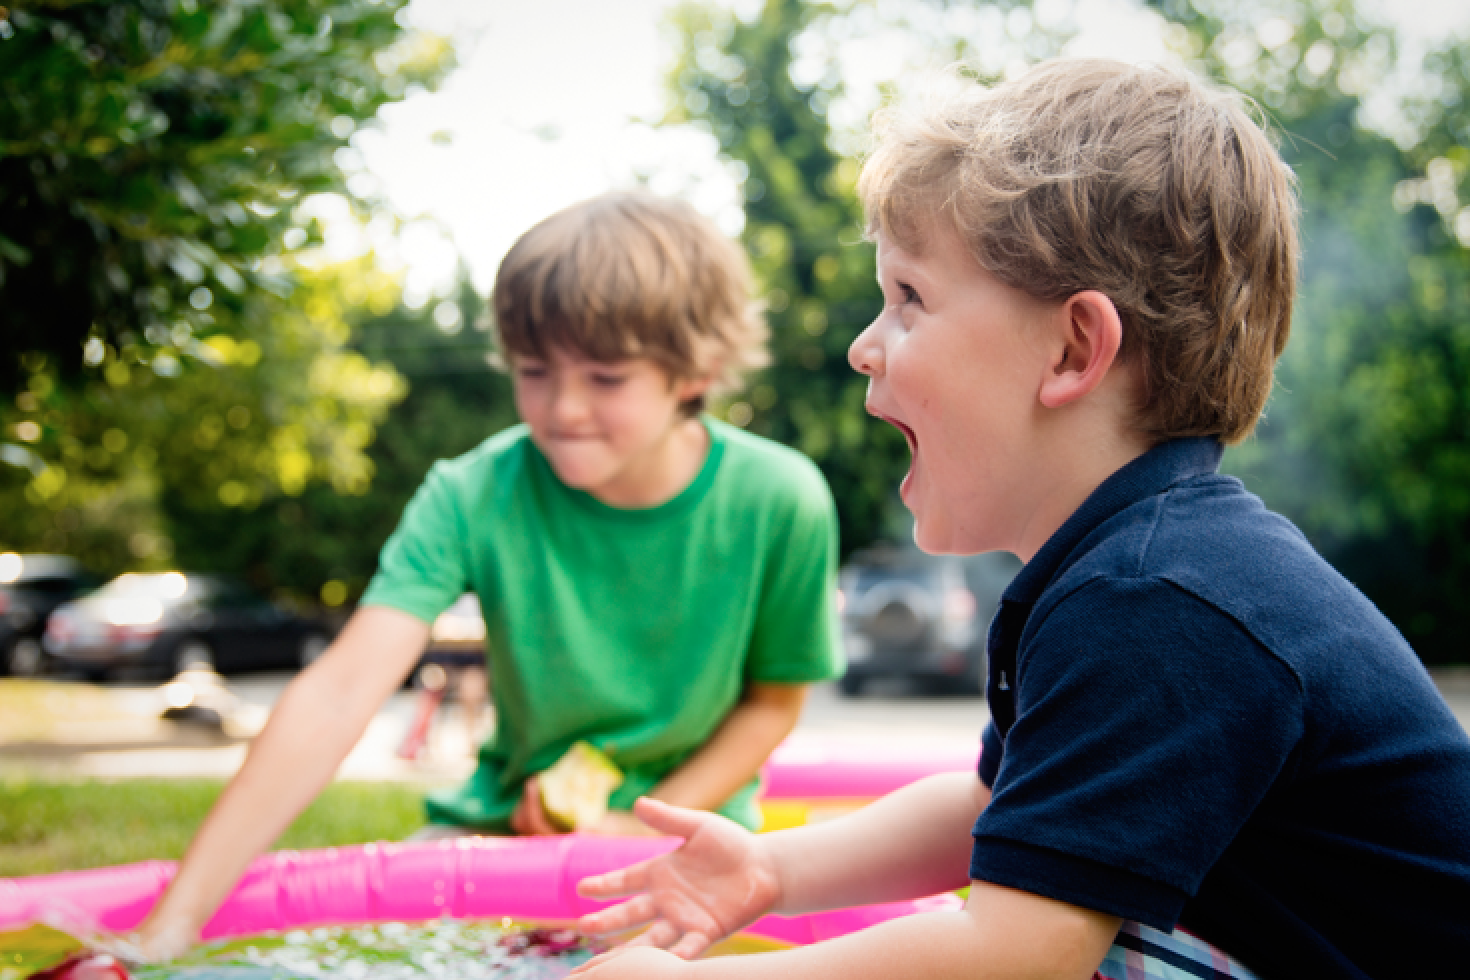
x=115, y=733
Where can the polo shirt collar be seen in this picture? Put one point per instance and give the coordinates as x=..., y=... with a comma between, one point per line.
x=1152, y=473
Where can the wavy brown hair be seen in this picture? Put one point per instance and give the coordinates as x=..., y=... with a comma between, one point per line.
x=1141, y=183
x=629, y=274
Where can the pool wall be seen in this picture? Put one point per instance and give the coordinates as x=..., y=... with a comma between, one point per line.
x=478, y=877
x=475, y=877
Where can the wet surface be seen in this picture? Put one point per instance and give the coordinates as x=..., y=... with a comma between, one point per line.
x=442, y=949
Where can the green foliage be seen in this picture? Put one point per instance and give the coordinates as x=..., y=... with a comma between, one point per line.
x=251, y=421
x=804, y=233
x=173, y=365
x=53, y=826
x=151, y=154
x=1366, y=443
x=455, y=400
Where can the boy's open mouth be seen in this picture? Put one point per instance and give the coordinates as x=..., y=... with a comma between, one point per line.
x=908, y=433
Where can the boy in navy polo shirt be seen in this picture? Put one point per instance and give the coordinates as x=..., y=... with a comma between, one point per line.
x=1088, y=275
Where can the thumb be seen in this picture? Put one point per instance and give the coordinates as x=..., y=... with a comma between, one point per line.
x=674, y=821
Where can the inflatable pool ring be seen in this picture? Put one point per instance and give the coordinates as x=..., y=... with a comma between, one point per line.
x=530, y=878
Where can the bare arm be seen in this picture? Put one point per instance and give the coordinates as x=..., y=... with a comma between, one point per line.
x=1001, y=934
x=739, y=747
x=914, y=842
x=911, y=843
x=765, y=715
x=318, y=720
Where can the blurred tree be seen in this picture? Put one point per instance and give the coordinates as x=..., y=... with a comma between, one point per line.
x=804, y=233
x=114, y=461
x=324, y=536
x=1366, y=443
x=152, y=152
x=161, y=340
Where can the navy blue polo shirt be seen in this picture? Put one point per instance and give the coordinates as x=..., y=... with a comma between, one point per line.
x=1197, y=721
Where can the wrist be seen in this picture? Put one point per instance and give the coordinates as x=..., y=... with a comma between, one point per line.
x=771, y=859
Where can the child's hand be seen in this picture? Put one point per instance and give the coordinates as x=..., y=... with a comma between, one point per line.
x=634, y=963
x=154, y=942
x=529, y=818
x=720, y=881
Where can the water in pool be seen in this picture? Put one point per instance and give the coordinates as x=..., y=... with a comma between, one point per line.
x=443, y=949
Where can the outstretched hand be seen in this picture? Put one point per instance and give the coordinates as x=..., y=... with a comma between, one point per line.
x=722, y=879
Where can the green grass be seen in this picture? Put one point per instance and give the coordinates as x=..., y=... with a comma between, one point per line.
x=62, y=826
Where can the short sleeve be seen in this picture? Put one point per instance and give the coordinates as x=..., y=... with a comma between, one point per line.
x=422, y=568
x=1149, y=726
x=991, y=749
x=796, y=638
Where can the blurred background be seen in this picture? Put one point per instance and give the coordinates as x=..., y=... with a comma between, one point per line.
x=244, y=249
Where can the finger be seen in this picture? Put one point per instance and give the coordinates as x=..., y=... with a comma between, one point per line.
x=541, y=823
x=659, y=935
x=520, y=820
x=532, y=814
x=619, y=918
x=616, y=884
x=672, y=820
x=690, y=946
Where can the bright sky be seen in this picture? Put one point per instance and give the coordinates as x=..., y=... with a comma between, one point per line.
x=552, y=103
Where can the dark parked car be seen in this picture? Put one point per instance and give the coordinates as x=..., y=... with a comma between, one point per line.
x=920, y=617
x=31, y=586
x=171, y=621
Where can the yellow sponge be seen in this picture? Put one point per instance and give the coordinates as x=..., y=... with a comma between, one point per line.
x=575, y=790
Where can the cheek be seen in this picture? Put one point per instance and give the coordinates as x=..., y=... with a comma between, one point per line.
x=536, y=405
x=637, y=410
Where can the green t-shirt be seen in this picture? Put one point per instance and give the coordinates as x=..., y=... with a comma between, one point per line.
x=635, y=630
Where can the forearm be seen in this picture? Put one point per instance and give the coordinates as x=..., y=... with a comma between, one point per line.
x=318, y=720
x=937, y=946
x=737, y=750
x=913, y=842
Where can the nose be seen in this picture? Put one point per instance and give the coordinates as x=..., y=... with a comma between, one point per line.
x=568, y=402
x=866, y=353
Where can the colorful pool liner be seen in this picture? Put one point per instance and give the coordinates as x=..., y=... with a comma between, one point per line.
x=478, y=877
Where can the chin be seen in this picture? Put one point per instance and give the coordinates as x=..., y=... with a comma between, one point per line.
x=579, y=476
x=929, y=539
x=935, y=537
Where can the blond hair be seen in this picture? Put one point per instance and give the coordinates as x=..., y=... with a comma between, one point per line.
x=1137, y=182
x=628, y=274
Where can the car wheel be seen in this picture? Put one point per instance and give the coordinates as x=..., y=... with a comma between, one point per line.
x=851, y=684
x=25, y=658
x=193, y=654
x=313, y=645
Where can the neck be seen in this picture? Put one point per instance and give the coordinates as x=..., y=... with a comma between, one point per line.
x=660, y=474
x=1088, y=459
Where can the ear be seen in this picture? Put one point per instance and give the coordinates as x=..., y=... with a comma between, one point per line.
x=1091, y=333
x=687, y=389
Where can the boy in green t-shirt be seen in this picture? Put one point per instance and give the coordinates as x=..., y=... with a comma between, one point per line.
x=654, y=582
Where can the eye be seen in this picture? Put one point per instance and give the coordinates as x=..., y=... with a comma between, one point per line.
x=909, y=293
x=530, y=371
x=606, y=380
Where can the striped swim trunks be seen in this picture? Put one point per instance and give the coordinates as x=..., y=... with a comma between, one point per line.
x=1142, y=953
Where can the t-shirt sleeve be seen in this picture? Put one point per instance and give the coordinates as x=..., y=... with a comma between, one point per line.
x=991, y=749
x=796, y=638
x=422, y=569
x=1148, y=728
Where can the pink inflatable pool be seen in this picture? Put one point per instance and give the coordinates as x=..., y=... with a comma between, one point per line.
x=813, y=767
x=524, y=878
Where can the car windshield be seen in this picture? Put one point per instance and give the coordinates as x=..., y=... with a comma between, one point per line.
x=167, y=585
